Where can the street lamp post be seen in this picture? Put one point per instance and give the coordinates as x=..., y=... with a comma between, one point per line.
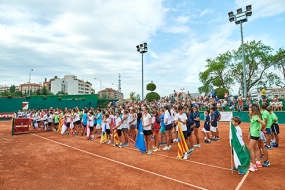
x=100, y=84
x=117, y=90
x=30, y=82
x=240, y=18
x=142, y=48
x=106, y=92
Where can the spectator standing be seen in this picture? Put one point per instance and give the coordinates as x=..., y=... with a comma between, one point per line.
x=263, y=93
x=226, y=95
x=213, y=94
x=217, y=99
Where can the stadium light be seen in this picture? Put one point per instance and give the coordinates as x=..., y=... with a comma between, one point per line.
x=248, y=8
x=249, y=13
x=239, y=11
x=231, y=19
x=142, y=48
x=240, y=18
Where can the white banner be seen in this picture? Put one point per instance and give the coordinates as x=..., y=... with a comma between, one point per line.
x=226, y=116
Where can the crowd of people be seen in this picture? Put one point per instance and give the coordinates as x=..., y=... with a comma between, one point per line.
x=159, y=121
x=232, y=103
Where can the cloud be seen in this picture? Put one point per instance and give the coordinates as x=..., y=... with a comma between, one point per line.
x=98, y=39
x=95, y=39
x=177, y=29
x=182, y=19
x=263, y=8
x=206, y=11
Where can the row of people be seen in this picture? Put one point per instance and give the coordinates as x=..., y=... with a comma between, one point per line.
x=263, y=134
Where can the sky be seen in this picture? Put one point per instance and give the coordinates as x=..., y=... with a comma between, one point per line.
x=98, y=38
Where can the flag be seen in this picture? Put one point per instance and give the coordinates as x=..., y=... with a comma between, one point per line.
x=61, y=122
x=240, y=151
x=87, y=130
x=63, y=128
x=104, y=134
x=132, y=140
x=182, y=145
x=116, y=137
x=140, y=144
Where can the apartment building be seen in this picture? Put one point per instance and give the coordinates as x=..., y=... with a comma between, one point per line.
x=71, y=85
x=4, y=88
x=25, y=87
x=110, y=93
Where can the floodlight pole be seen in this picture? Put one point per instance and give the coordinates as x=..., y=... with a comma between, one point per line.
x=142, y=48
x=142, y=76
x=30, y=82
x=239, y=18
x=243, y=64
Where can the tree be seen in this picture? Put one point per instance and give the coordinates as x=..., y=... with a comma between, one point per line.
x=280, y=65
x=152, y=96
x=220, y=92
x=12, y=88
x=138, y=97
x=61, y=93
x=151, y=87
x=217, y=73
x=44, y=91
x=37, y=92
x=104, y=97
x=258, y=61
x=132, y=95
x=6, y=93
x=18, y=93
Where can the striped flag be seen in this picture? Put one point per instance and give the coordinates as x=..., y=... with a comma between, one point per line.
x=182, y=145
x=61, y=122
x=240, y=151
x=116, y=137
x=104, y=134
x=63, y=127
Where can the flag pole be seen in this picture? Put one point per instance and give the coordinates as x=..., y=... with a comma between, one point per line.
x=232, y=160
x=231, y=136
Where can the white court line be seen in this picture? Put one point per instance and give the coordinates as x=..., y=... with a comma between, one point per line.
x=242, y=181
x=121, y=163
x=176, y=158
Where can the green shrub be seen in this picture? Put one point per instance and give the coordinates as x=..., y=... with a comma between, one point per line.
x=152, y=96
x=151, y=87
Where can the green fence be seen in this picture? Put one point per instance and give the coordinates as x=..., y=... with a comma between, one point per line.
x=45, y=102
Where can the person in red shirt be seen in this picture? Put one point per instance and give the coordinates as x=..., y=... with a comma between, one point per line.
x=240, y=105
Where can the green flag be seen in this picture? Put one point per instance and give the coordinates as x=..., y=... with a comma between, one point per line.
x=240, y=151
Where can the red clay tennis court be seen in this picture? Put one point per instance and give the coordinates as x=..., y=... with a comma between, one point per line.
x=53, y=161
